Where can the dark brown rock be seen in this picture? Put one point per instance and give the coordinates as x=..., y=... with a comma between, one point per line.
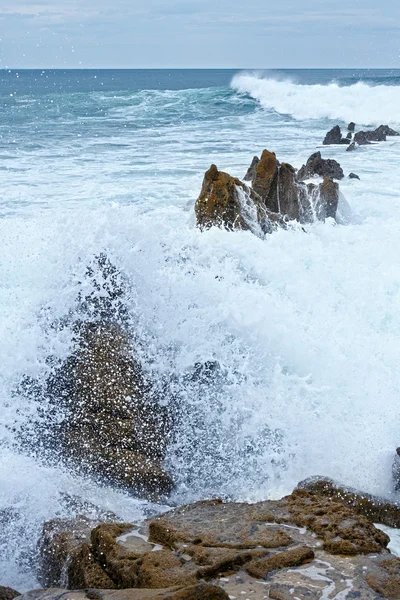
x=384, y=577
x=328, y=199
x=265, y=174
x=113, y=427
x=334, y=136
x=7, y=593
x=98, y=412
x=252, y=170
x=199, y=591
x=281, y=560
x=84, y=572
x=343, y=531
x=316, y=165
x=217, y=525
x=60, y=539
x=225, y=201
x=375, y=509
x=386, y=130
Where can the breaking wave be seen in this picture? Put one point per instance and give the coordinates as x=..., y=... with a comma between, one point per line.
x=368, y=104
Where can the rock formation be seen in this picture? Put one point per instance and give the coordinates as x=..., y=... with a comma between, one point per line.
x=316, y=165
x=101, y=416
x=226, y=201
x=251, y=171
x=362, y=138
x=214, y=547
x=353, y=176
x=276, y=196
x=351, y=127
x=334, y=136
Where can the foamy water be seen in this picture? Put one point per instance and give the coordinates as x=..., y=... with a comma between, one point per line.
x=305, y=325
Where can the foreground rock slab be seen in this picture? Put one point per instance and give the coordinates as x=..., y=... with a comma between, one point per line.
x=200, y=591
x=268, y=548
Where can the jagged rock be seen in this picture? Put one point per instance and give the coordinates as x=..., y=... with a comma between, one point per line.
x=265, y=173
x=199, y=591
x=316, y=165
x=377, y=510
x=251, y=171
x=7, y=593
x=377, y=135
x=351, y=127
x=334, y=136
x=351, y=147
x=386, y=130
x=328, y=201
x=226, y=201
x=353, y=176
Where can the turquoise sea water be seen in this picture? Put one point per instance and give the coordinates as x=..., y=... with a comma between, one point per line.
x=305, y=324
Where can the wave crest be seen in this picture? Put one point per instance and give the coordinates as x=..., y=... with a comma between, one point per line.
x=360, y=102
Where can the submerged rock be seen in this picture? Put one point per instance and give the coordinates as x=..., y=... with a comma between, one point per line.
x=316, y=165
x=353, y=176
x=334, y=136
x=351, y=147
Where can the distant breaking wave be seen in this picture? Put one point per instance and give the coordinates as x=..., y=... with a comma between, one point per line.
x=366, y=104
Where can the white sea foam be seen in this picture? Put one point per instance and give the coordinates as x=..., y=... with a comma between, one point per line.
x=305, y=324
x=367, y=104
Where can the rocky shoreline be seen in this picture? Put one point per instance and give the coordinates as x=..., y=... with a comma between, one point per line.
x=105, y=419
x=319, y=542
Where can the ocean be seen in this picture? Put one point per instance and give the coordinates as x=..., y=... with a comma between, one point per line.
x=304, y=325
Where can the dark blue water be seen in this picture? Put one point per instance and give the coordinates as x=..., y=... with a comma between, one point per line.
x=63, y=81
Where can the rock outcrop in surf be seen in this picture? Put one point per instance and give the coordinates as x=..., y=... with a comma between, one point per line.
x=276, y=196
x=100, y=415
x=360, y=138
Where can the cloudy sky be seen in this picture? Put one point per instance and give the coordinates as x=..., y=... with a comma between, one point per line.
x=199, y=33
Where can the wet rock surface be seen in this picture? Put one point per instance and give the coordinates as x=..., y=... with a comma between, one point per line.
x=334, y=136
x=227, y=202
x=276, y=197
x=101, y=416
x=270, y=547
x=7, y=593
x=316, y=165
x=374, y=508
x=200, y=591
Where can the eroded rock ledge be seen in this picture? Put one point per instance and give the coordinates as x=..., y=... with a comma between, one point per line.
x=306, y=545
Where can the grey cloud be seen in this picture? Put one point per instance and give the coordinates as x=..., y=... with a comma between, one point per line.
x=193, y=33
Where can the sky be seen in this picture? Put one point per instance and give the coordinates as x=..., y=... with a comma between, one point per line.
x=199, y=33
